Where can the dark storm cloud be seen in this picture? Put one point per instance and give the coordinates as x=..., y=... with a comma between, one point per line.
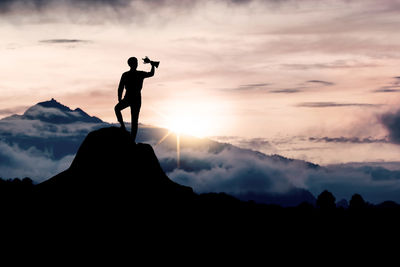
x=391, y=121
x=63, y=41
x=325, y=83
x=334, y=104
x=355, y=140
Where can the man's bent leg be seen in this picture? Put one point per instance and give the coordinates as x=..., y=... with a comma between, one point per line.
x=118, y=107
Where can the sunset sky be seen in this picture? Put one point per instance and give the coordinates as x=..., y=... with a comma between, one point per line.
x=314, y=80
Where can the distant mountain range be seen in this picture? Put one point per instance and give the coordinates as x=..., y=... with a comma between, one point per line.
x=43, y=141
x=56, y=113
x=49, y=127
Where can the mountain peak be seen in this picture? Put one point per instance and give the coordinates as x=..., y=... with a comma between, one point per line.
x=54, y=104
x=54, y=112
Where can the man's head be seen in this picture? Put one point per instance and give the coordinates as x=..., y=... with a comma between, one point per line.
x=132, y=62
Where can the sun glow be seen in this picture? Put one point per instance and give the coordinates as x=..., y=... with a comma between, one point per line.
x=187, y=124
x=195, y=119
x=193, y=113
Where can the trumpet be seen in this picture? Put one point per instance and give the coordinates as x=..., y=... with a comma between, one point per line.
x=146, y=60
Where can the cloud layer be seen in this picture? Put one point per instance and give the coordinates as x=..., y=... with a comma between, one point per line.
x=334, y=104
x=62, y=41
x=342, y=139
x=205, y=165
x=33, y=163
x=238, y=171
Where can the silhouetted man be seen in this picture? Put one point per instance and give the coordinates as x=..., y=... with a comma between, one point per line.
x=132, y=81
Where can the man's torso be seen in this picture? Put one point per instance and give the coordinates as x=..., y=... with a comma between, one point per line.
x=133, y=81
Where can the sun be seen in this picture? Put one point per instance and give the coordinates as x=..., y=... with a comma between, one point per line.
x=185, y=124
x=193, y=114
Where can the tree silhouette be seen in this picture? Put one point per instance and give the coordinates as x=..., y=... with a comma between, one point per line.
x=326, y=201
x=357, y=202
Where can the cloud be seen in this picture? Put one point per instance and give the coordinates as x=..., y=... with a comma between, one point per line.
x=76, y=11
x=54, y=140
x=215, y=167
x=265, y=87
x=375, y=184
x=393, y=87
x=46, y=112
x=337, y=64
x=334, y=104
x=286, y=91
x=39, y=5
x=238, y=171
x=7, y=6
x=119, y=11
x=255, y=85
x=388, y=89
x=252, y=86
x=258, y=144
x=63, y=41
x=16, y=162
x=13, y=110
x=325, y=83
x=233, y=172
x=391, y=121
x=308, y=85
x=15, y=127
x=355, y=140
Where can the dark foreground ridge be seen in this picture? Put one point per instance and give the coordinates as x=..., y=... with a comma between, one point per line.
x=114, y=185
x=110, y=168
x=114, y=180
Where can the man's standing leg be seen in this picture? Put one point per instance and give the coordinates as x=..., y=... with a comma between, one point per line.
x=118, y=107
x=135, y=109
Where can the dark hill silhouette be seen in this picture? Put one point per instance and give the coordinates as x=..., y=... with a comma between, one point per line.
x=110, y=167
x=113, y=182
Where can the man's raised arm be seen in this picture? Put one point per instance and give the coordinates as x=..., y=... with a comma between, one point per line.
x=146, y=60
x=151, y=73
